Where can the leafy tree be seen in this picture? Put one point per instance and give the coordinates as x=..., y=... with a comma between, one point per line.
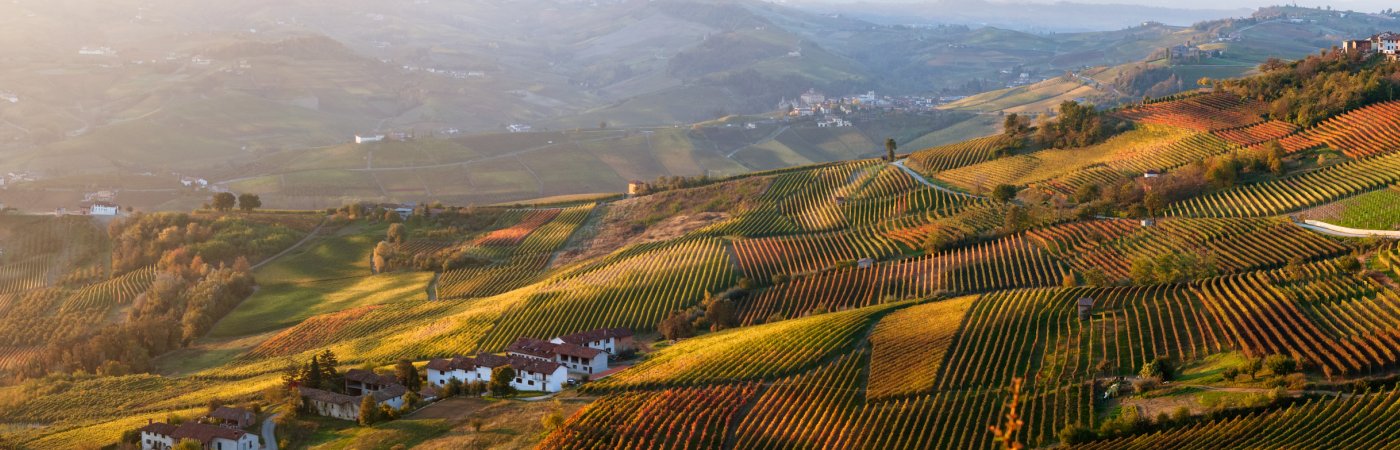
x=1280, y=364
x=1087, y=193
x=501, y=378
x=408, y=375
x=890, y=147
x=1153, y=202
x=224, y=201
x=1004, y=192
x=369, y=411
x=722, y=314
x=397, y=234
x=1075, y=434
x=676, y=326
x=313, y=375
x=1252, y=366
x=249, y=202
x=552, y=421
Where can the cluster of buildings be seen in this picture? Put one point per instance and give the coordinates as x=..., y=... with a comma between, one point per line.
x=544, y=366
x=359, y=383
x=1190, y=52
x=450, y=73
x=401, y=136
x=813, y=103
x=222, y=429
x=1387, y=43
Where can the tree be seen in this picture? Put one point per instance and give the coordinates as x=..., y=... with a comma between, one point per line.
x=722, y=314
x=1154, y=202
x=397, y=234
x=552, y=421
x=1087, y=193
x=1016, y=219
x=312, y=376
x=408, y=375
x=1273, y=157
x=501, y=378
x=676, y=326
x=1280, y=364
x=1004, y=192
x=1075, y=434
x=369, y=410
x=249, y=202
x=890, y=147
x=329, y=372
x=223, y=201
x=1252, y=366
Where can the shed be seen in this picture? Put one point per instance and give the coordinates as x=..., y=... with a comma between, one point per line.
x=1086, y=307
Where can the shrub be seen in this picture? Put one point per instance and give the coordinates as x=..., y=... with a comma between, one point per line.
x=1280, y=364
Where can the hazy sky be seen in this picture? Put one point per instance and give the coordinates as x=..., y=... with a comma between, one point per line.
x=1357, y=5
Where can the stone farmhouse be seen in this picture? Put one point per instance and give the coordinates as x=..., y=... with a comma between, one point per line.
x=358, y=383
x=164, y=436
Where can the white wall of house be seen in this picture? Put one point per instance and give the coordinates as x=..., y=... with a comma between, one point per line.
x=531, y=381
x=441, y=378
x=103, y=210
x=249, y=441
x=594, y=365
x=152, y=441
x=395, y=403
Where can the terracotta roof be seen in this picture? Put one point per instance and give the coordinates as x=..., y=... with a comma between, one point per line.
x=532, y=347
x=232, y=414
x=389, y=392
x=491, y=361
x=596, y=335
x=161, y=428
x=328, y=397
x=577, y=351
x=205, y=433
x=533, y=365
x=368, y=377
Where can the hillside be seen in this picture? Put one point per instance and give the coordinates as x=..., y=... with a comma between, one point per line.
x=1124, y=278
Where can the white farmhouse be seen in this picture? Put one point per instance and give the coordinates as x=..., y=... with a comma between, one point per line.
x=574, y=358
x=162, y=436
x=367, y=138
x=531, y=374
x=612, y=340
x=103, y=209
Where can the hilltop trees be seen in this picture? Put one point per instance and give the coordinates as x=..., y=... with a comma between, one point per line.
x=890, y=147
x=223, y=201
x=1076, y=125
x=1314, y=88
x=249, y=202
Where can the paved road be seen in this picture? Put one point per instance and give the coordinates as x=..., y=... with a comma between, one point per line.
x=293, y=247
x=269, y=435
x=1339, y=233
x=926, y=182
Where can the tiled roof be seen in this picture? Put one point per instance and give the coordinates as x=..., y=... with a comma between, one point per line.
x=532, y=347
x=232, y=414
x=491, y=361
x=328, y=397
x=390, y=392
x=450, y=364
x=533, y=365
x=161, y=428
x=577, y=351
x=596, y=335
x=205, y=433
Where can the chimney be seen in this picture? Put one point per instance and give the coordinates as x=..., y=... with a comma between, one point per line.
x=149, y=421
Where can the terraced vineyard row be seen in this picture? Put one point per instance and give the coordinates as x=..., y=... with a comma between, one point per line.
x=824, y=409
x=1266, y=131
x=494, y=279
x=1364, y=421
x=1295, y=192
x=31, y=273
x=871, y=211
x=636, y=291
x=1265, y=318
x=310, y=334
x=1207, y=112
x=908, y=345
x=1037, y=333
x=672, y=418
x=1234, y=245
x=751, y=353
x=514, y=234
x=1005, y=263
x=1374, y=210
x=1176, y=154
x=103, y=296
x=550, y=236
x=937, y=159
x=762, y=258
x=1360, y=133
x=813, y=199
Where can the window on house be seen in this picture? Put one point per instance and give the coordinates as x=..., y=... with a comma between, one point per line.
x=532, y=382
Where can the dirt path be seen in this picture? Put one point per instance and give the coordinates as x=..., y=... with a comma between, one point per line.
x=293, y=247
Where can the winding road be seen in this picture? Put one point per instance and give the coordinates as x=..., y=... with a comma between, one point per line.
x=269, y=432
x=926, y=182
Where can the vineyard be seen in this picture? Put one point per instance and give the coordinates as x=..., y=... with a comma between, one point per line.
x=1147, y=148
x=671, y=418
x=1370, y=211
x=758, y=353
x=930, y=161
x=1207, y=112
x=1363, y=421
x=516, y=233
x=908, y=345
x=1272, y=130
x=1363, y=132
x=1002, y=264
x=1294, y=192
